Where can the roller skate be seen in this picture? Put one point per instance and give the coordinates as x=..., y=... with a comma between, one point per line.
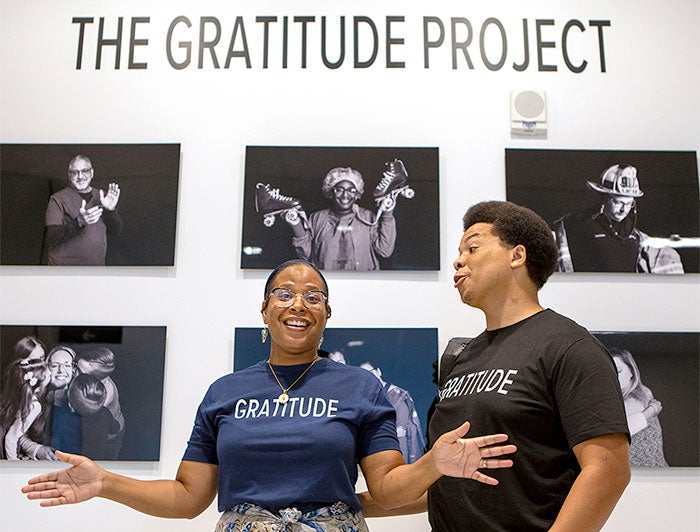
x=269, y=202
x=393, y=184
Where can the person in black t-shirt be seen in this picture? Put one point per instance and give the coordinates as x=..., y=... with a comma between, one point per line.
x=534, y=374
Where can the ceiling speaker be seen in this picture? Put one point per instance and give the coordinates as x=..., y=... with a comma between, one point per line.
x=528, y=112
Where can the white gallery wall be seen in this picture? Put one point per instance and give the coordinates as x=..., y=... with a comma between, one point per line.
x=648, y=98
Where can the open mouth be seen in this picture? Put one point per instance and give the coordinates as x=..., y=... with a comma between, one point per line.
x=296, y=324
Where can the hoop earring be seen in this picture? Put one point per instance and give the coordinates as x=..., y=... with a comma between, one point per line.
x=263, y=334
x=320, y=342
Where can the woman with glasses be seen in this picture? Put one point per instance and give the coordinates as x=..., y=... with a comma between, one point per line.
x=59, y=419
x=345, y=236
x=280, y=441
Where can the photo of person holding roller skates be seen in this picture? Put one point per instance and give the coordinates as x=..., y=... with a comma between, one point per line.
x=346, y=236
x=333, y=230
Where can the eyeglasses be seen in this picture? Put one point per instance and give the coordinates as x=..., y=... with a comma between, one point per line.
x=338, y=190
x=83, y=171
x=284, y=297
x=56, y=366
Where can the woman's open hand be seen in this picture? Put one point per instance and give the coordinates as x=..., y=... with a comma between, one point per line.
x=80, y=482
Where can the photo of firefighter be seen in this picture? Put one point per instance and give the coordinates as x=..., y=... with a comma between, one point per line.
x=341, y=208
x=610, y=211
x=80, y=390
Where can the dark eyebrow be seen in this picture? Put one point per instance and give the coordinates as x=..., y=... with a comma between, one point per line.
x=466, y=240
x=470, y=237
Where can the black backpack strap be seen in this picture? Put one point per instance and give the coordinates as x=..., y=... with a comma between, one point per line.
x=449, y=357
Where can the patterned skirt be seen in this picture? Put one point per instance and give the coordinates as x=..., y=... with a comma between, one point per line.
x=247, y=517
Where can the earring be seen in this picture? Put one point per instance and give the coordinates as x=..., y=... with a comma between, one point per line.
x=320, y=342
x=263, y=334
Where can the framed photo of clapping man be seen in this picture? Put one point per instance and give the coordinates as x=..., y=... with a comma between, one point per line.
x=659, y=376
x=83, y=389
x=613, y=210
x=400, y=358
x=88, y=204
x=341, y=208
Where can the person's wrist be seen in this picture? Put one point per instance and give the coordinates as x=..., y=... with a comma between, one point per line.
x=107, y=483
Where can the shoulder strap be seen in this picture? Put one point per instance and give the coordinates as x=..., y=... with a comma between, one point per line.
x=449, y=357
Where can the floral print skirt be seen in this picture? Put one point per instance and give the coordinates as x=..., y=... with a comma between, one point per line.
x=247, y=517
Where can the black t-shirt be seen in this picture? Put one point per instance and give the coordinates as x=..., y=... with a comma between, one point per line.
x=548, y=384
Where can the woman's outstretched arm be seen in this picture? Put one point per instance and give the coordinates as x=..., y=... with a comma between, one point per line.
x=192, y=491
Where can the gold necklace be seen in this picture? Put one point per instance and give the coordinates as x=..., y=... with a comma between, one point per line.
x=283, y=397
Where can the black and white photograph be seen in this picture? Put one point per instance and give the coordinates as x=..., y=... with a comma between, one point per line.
x=659, y=376
x=402, y=359
x=88, y=204
x=90, y=390
x=341, y=208
x=613, y=211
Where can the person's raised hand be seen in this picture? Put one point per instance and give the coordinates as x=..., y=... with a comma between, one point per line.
x=293, y=216
x=80, y=482
x=297, y=220
x=456, y=456
x=109, y=201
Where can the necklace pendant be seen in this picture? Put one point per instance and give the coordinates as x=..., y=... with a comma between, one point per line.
x=283, y=398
